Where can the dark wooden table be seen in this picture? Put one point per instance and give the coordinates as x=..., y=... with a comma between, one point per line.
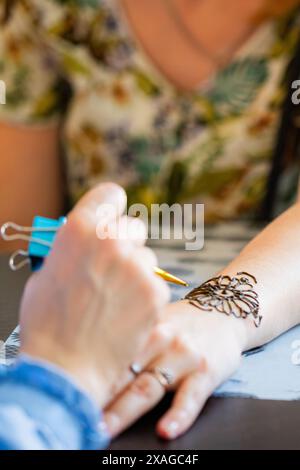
x=226, y=423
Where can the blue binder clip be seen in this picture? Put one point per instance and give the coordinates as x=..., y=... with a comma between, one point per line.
x=40, y=239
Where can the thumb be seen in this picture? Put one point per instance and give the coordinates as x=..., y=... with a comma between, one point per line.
x=106, y=199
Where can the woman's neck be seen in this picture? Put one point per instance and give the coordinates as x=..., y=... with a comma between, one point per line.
x=189, y=40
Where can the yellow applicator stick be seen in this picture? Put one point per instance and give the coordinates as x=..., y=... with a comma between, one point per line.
x=169, y=277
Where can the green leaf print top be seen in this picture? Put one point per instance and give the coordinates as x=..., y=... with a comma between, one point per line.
x=123, y=122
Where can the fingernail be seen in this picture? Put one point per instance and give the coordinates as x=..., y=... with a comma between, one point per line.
x=112, y=422
x=171, y=429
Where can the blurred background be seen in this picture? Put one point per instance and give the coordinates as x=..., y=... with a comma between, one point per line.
x=176, y=100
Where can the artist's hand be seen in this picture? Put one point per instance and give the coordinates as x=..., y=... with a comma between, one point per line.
x=204, y=349
x=91, y=308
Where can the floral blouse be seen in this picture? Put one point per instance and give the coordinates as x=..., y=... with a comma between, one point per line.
x=75, y=61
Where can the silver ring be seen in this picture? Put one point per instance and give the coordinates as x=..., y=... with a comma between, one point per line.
x=135, y=368
x=163, y=376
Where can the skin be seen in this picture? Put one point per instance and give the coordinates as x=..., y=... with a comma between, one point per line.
x=31, y=179
x=184, y=65
x=86, y=329
x=210, y=348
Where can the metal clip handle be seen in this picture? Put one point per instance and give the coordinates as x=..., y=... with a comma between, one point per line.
x=14, y=265
x=20, y=233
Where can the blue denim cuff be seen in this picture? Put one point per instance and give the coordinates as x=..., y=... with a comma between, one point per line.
x=51, y=381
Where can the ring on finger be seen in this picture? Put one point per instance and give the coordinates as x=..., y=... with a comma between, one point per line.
x=163, y=376
x=135, y=368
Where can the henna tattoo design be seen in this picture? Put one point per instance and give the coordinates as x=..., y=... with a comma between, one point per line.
x=230, y=295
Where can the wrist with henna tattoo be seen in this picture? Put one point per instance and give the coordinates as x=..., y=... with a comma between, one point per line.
x=229, y=295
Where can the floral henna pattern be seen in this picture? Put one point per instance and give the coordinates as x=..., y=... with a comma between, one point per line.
x=230, y=295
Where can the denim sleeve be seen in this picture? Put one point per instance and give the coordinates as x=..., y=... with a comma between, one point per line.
x=41, y=409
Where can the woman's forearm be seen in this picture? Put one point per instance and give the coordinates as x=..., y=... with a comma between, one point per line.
x=273, y=257
x=30, y=174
